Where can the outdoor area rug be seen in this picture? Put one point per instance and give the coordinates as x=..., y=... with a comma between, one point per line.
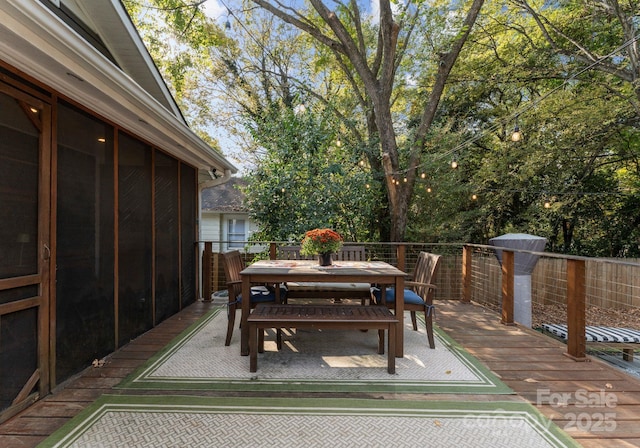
x=312, y=361
x=170, y=421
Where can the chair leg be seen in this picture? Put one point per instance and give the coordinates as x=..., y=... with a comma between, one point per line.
x=231, y=315
x=381, y=342
x=414, y=322
x=261, y=340
x=279, y=338
x=428, y=318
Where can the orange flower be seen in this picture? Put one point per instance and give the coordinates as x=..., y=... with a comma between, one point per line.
x=321, y=241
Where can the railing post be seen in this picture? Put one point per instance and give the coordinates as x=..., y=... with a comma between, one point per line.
x=273, y=251
x=508, y=264
x=206, y=271
x=466, y=273
x=576, y=292
x=401, y=256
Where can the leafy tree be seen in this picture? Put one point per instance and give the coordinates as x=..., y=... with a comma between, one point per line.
x=374, y=70
x=305, y=181
x=579, y=134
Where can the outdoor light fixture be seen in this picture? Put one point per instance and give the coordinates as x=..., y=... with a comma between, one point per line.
x=474, y=197
x=454, y=164
x=517, y=135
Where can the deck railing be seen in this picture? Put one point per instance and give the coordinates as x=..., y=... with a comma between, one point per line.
x=569, y=290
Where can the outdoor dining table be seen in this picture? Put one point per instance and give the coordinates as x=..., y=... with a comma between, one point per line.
x=282, y=271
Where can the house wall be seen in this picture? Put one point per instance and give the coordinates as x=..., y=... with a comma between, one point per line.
x=215, y=227
x=121, y=258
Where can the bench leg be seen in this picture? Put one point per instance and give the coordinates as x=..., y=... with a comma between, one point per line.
x=627, y=354
x=381, y=342
x=253, y=347
x=391, y=349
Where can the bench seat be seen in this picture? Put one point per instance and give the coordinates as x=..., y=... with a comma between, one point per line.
x=342, y=317
x=623, y=337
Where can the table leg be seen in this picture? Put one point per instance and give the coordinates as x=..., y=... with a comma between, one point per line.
x=246, y=309
x=399, y=310
x=391, y=356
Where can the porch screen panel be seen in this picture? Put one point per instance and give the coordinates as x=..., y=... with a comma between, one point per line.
x=18, y=352
x=19, y=169
x=135, y=238
x=167, y=214
x=188, y=233
x=85, y=317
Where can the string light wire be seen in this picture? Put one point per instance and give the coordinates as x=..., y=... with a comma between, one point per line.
x=528, y=107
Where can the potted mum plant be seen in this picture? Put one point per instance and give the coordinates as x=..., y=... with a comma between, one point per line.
x=321, y=242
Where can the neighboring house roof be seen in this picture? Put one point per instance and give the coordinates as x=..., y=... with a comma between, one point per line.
x=122, y=83
x=225, y=197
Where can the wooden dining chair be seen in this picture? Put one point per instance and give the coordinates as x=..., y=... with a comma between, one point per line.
x=233, y=265
x=418, y=294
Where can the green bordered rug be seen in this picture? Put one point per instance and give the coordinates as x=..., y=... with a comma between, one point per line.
x=312, y=361
x=172, y=421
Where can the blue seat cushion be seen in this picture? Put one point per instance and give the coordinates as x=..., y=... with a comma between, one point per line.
x=409, y=296
x=260, y=294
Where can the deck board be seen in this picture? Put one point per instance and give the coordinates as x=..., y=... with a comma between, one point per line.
x=525, y=360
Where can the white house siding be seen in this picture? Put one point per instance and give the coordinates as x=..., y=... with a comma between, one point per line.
x=215, y=227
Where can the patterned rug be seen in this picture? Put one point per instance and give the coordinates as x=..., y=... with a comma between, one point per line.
x=312, y=361
x=172, y=421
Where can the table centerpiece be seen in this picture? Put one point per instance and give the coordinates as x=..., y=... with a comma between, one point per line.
x=323, y=243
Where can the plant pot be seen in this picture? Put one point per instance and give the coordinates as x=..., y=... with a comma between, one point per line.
x=324, y=259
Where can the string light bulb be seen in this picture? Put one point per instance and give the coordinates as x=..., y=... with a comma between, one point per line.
x=454, y=164
x=517, y=135
x=474, y=197
x=547, y=204
x=423, y=175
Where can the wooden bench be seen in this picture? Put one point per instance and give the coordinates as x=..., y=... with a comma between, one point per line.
x=343, y=317
x=336, y=291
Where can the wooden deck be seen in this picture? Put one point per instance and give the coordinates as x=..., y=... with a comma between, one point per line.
x=533, y=365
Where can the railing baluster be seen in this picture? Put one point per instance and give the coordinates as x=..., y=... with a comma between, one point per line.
x=206, y=271
x=508, y=263
x=576, y=293
x=466, y=273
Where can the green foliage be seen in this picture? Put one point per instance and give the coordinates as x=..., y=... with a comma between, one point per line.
x=304, y=179
x=530, y=63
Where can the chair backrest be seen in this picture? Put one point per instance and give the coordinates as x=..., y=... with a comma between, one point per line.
x=351, y=253
x=346, y=253
x=292, y=253
x=233, y=265
x=425, y=272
